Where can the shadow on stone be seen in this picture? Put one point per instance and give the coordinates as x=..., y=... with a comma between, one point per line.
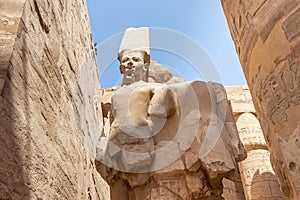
x=262, y=190
x=14, y=132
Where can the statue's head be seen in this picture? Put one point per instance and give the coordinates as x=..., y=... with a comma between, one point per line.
x=130, y=59
x=134, y=64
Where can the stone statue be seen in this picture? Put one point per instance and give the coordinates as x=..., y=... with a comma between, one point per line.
x=166, y=141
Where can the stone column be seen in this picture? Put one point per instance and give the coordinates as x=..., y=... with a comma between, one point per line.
x=256, y=171
x=267, y=38
x=258, y=177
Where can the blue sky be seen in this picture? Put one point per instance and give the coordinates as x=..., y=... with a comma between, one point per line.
x=202, y=21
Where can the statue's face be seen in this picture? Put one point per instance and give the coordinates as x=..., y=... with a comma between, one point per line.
x=131, y=59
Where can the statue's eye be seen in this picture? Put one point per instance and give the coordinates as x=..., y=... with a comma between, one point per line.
x=136, y=59
x=125, y=59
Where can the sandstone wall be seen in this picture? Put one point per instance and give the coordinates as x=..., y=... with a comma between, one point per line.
x=267, y=38
x=49, y=119
x=10, y=16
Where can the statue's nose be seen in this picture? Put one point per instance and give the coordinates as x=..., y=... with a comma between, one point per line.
x=130, y=63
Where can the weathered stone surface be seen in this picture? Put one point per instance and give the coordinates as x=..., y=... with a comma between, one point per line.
x=250, y=132
x=240, y=100
x=10, y=16
x=134, y=55
x=258, y=159
x=136, y=39
x=49, y=116
x=151, y=111
x=291, y=25
x=134, y=66
x=292, y=157
x=258, y=176
x=233, y=189
x=178, y=140
x=160, y=74
x=273, y=52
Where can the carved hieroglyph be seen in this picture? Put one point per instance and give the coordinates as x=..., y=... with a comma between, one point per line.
x=267, y=39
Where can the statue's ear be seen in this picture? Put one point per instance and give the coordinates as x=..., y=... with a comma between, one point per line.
x=146, y=58
x=122, y=69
